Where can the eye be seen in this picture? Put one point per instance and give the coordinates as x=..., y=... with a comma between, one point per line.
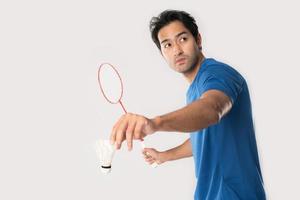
x=183, y=39
x=167, y=45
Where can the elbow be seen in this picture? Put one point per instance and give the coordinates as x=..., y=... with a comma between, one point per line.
x=215, y=118
x=219, y=110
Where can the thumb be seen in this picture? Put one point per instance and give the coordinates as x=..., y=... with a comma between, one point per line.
x=149, y=151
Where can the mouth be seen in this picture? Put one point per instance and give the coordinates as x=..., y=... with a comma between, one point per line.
x=180, y=60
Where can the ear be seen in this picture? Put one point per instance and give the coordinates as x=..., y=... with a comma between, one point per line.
x=199, y=41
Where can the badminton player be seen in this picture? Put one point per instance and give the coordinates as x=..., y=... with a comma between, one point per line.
x=217, y=116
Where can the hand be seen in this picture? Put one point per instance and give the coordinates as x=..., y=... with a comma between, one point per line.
x=131, y=127
x=152, y=155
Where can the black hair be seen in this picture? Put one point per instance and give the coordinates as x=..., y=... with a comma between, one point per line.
x=168, y=16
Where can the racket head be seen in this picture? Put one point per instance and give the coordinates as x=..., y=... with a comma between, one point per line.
x=110, y=83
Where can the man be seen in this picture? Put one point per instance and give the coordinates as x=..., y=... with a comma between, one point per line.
x=218, y=116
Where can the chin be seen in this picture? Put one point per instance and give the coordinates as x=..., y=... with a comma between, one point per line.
x=183, y=69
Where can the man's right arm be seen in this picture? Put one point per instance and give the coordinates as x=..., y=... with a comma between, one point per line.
x=182, y=151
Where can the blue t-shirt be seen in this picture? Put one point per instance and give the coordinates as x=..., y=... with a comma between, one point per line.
x=225, y=154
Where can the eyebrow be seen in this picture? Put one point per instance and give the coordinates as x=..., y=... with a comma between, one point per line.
x=179, y=34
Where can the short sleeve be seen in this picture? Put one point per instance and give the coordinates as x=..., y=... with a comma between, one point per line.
x=224, y=79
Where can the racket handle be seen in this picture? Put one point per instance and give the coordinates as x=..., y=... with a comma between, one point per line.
x=153, y=165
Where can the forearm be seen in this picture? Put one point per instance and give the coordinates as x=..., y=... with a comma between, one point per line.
x=182, y=151
x=195, y=116
x=200, y=114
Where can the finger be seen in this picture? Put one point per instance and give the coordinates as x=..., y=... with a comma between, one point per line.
x=149, y=152
x=129, y=135
x=148, y=156
x=138, y=130
x=120, y=136
x=113, y=135
x=114, y=130
x=151, y=162
x=145, y=153
x=148, y=160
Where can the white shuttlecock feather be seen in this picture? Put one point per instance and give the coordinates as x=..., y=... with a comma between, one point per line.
x=105, y=152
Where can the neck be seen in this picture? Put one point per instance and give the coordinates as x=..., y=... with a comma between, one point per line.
x=190, y=75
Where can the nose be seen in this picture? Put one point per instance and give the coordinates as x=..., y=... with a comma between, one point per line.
x=177, y=49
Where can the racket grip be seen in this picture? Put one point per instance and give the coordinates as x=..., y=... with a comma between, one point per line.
x=153, y=165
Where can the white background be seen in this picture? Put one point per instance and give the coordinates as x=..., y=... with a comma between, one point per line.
x=52, y=112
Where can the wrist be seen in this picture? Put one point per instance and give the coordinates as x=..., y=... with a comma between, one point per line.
x=163, y=157
x=157, y=122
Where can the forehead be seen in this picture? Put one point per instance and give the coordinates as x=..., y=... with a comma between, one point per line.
x=171, y=30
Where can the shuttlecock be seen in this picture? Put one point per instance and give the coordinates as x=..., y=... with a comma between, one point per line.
x=105, y=152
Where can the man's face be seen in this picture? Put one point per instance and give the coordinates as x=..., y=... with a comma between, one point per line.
x=178, y=47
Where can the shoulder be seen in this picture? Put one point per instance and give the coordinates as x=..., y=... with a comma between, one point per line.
x=219, y=70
